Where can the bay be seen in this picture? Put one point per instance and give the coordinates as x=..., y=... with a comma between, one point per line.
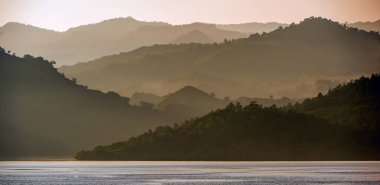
x=174, y=172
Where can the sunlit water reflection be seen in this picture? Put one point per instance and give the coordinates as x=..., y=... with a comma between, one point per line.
x=117, y=172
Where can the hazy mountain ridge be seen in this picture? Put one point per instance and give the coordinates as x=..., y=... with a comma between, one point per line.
x=139, y=97
x=196, y=102
x=368, y=26
x=92, y=41
x=194, y=36
x=45, y=115
x=253, y=132
x=295, y=61
x=252, y=27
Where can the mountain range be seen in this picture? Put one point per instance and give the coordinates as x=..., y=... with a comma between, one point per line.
x=44, y=115
x=295, y=61
x=344, y=124
x=112, y=36
x=368, y=26
x=87, y=42
x=200, y=101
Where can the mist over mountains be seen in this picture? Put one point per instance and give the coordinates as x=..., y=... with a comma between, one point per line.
x=44, y=115
x=296, y=61
x=342, y=125
x=87, y=42
x=368, y=26
x=252, y=27
x=112, y=36
x=192, y=72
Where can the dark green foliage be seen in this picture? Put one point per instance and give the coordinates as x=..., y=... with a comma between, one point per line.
x=254, y=132
x=348, y=104
x=43, y=114
x=355, y=104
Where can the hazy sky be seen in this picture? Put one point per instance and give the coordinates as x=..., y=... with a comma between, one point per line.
x=63, y=14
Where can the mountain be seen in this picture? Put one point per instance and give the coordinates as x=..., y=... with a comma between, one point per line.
x=189, y=102
x=194, y=36
x=88, y=42
x=255, y=27
x=44, y=115
x=296, y=61
x=76, y=44
x=112, y=36
x=368, y=26
x=252, y=27
x=33, y=39
x=257, y=133
x=172, y=32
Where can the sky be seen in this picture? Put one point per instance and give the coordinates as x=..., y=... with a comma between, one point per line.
x=60, y=15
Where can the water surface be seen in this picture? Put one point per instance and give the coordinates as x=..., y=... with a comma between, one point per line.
x=117, y=172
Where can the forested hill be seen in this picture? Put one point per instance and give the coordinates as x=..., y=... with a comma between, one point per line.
x=356, y=103
x=314, y=130
x=45, y=115
x=290, y=61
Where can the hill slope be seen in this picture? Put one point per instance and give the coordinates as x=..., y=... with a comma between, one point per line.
x=45, y=115
x=356, y=103
x=291, y=61
x=256, y=133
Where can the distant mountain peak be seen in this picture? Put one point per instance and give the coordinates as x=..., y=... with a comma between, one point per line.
x=194, y=36
x=124, y=19
x=201, y=25
x=8, y=24
x=190, y=88
x=188, y=92
x=190, y=98
x=130, y=18
x=16, y=26
x=316, y=29
x=367, y=25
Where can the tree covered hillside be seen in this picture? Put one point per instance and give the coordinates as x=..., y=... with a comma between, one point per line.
x=43, y=114
x=356, y=103
x=342, y=125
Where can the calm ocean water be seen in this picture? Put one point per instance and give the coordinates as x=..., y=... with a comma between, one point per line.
x=76, y=172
